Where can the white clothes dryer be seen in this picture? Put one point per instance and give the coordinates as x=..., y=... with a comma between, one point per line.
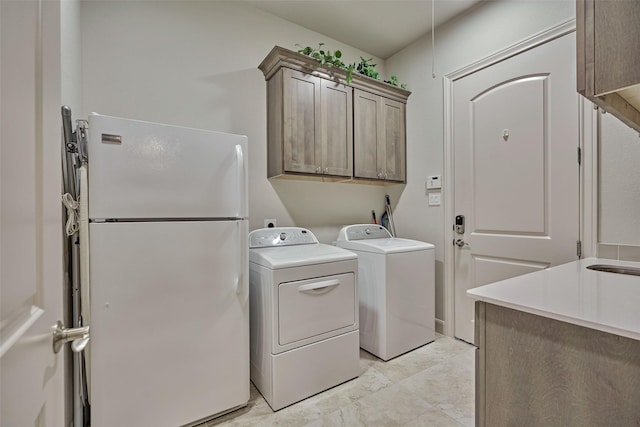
x=396, y=288
x=303, y=315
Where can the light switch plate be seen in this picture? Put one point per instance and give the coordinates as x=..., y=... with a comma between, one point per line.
x=434, y=182
x=434, y=199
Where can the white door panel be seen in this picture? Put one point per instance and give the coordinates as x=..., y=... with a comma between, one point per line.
x=515, y=169
x=169, y=321
x=31, y=288
x=509, y=164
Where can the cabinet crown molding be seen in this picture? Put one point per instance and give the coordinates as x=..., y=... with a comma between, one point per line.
x=281, y=57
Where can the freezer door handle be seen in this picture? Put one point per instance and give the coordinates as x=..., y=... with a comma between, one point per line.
x=242, y=285
x=239, y=284
x=319, y=287
x=241, y=180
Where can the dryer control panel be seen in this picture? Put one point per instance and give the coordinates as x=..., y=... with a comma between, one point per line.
x=281, y=236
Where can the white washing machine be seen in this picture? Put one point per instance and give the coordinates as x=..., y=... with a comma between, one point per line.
x=396, y=288
x=303, y=315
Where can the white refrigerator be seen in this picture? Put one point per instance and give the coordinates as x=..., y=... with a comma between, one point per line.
x=168, y=273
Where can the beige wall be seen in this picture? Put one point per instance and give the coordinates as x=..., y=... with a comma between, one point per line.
x=195, y=64
x=618, y=190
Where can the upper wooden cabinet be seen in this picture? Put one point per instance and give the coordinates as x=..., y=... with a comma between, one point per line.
x=608, y=48
x=309, y=125
x=379, y=137
x=311, y=115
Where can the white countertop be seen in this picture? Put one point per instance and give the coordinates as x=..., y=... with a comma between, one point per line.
x=571, y=293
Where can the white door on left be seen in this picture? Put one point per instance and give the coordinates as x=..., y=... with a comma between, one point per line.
x=31, y=285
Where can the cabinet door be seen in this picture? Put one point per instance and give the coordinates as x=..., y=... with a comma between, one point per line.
x=379, y=137
x=392, y=140
x=301, y=133
x=366, y=134
x=336, y=126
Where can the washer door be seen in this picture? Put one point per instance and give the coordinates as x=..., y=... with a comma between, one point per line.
x=314, y=307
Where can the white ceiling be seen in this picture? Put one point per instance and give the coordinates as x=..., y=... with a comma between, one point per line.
x=379, y=27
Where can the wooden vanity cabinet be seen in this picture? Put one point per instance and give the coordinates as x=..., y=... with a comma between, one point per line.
x=608, y=48
x=310, y=128
x=537, y=371
x=379, y=137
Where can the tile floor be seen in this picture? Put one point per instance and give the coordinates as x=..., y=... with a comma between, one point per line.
x=430, y=386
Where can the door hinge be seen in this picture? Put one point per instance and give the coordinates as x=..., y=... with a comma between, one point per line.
x=579, y=249
x=579, y=155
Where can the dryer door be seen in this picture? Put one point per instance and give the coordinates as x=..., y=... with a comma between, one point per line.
x=319, y=307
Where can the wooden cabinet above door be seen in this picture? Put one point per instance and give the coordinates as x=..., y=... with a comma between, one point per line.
x=310, y=122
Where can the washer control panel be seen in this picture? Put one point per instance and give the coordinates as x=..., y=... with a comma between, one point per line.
x=281, y=236
x=363, y=231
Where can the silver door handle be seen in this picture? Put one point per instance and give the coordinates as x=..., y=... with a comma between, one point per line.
x=79, y=337
x=460, y=243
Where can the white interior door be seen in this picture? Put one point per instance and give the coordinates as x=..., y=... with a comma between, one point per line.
x=516, y=173
x=31, y=375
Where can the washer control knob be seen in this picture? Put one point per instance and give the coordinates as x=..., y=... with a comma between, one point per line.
x=367, y=231
x=283, y=236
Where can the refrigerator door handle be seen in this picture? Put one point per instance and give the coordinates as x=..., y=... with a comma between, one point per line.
x=242, y=174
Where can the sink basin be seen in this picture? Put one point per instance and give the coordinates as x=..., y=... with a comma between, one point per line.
x=615, y=269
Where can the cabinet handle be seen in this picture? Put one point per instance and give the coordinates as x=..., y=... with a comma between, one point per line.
x=318, y=169
x=326, y=170
x=385, y=175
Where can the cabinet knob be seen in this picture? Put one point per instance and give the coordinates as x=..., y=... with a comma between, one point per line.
x=318, y=169
x=326, y=170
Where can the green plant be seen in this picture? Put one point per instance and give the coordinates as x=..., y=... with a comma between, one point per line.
x=328, y=59
x=393, y=80
x=366, y=68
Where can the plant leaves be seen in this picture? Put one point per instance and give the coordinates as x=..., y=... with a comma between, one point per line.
x=364, y=67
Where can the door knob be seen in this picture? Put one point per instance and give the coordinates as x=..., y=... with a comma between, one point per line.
x=460, y=243
x=79, y=337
